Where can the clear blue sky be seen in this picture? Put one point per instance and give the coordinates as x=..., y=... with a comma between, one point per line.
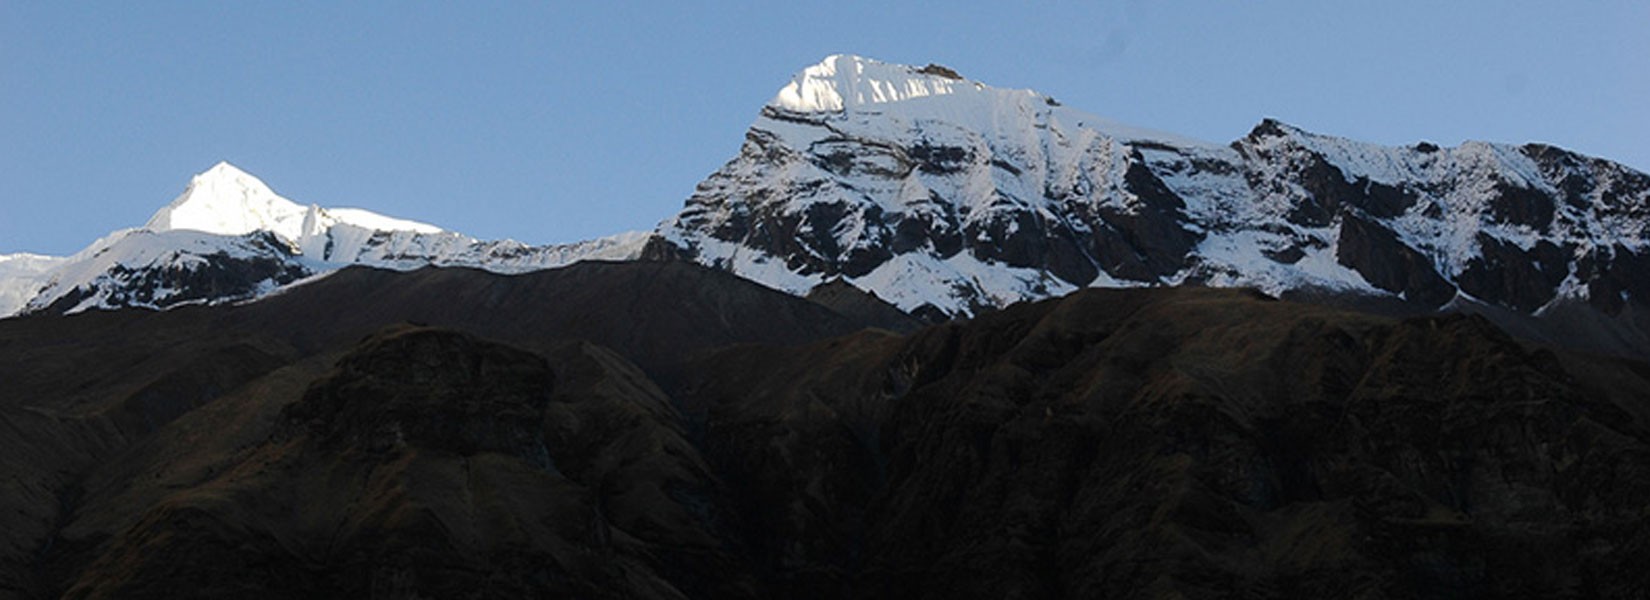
x=551, y=122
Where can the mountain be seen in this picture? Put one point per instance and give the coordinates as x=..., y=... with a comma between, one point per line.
x=1182, y=443
x=100, y=402
x=228, y=201
x=230, y=237
x=844, y=298
x=21, y=278
x=471, y=422
x=947, y=196
x=665, y=430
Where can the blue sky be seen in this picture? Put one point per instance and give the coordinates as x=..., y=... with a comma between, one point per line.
x=551, y=122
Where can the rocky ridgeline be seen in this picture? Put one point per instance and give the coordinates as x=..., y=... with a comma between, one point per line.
x=960, y=197
x=946, y=197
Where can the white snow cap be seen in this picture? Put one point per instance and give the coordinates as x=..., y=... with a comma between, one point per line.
x=228, y=201
x=847, y=82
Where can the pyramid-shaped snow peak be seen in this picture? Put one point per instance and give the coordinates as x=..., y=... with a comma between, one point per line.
x=229, y=237
x=228, y=201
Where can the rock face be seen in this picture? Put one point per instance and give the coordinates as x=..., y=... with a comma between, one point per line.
x=1166, y=442
x=219, y=270
x=948, y=196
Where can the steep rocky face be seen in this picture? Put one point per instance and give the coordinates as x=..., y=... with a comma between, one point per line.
x=139, y=268
x=1376, y=253
x=1517, y=227
x=948, y=196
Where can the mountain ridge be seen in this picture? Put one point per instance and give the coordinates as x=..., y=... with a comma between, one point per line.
x=450, y=431
x=890, y=188
x=946, y=197
x=226, y=200
x=230, y=237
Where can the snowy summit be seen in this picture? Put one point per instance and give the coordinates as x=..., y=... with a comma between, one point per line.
x=230, y=237
x=946, y=196
x=846, y=82
x=228, y=201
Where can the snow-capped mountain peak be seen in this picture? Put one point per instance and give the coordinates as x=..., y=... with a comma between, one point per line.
x=844, y=82
x=226, y=200
x=230, y=237
x=864, y=97
x=947, y=196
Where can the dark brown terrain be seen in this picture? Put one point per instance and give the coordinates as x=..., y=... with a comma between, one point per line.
x=660, y=430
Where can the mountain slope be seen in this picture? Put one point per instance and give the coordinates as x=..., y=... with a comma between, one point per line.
x=230, y=237
x=1165, y=442
x=115, y=411
x=1184, y=443
x=21, y=277
x=947, y=196
x=228, y=201
x=424, y=463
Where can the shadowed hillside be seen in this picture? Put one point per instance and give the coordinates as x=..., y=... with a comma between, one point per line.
x=659, y=430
